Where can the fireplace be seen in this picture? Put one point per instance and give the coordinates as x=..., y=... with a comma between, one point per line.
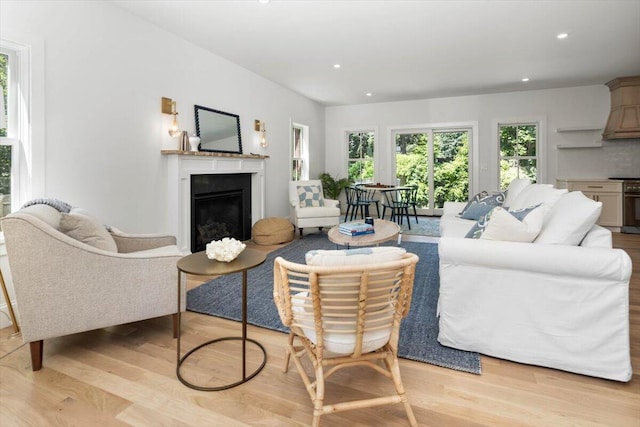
x=181, y=166
x=220, y=207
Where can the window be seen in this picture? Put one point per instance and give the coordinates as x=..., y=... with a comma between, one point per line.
x=518, y=152
x=22, y=130
x=360, y=163
x=7, y=131
x=299, y=152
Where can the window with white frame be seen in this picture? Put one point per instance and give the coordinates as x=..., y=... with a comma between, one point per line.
x=360, y=145
x=519, y=151
x=299, y=152
x=8, y=133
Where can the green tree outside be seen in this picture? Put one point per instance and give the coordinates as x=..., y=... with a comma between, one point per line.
x=451, y=171
x=518, y=155
x=5, y=150
x=360, y=167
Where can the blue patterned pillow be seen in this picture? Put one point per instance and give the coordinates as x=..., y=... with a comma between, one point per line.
x=520, y=214
x=476, y=209
x=310, y=196
x=478, y=228
x=476, y=198
x=61, y=206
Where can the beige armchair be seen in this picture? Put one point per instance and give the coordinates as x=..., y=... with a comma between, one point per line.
x=65, y=286
x=309, y=208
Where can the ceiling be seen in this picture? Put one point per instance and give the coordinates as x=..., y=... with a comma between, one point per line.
x=403, y=50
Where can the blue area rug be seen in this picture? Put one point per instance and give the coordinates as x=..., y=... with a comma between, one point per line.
x=419, y=331
x=426, y=226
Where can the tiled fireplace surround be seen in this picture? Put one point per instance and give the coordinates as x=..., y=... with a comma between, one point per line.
x=182, y=165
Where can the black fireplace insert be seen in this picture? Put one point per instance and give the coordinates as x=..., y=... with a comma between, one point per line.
x=220, y=207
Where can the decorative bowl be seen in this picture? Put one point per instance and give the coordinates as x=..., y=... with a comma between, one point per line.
x=225, y=250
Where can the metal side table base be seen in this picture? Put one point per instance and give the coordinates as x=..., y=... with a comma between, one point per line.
x=198, y=264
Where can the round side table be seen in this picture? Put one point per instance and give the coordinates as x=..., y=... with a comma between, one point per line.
x=198, y=264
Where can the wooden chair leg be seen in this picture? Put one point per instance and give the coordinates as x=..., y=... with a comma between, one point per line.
x=394, y=368
x=287, y=354
x=318, y=402
x=36, y=355
x=176, y=325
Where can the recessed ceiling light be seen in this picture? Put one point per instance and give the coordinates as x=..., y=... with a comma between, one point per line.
x=336, y=65
x=525, y=79
x=562, y=36
x=368, y=94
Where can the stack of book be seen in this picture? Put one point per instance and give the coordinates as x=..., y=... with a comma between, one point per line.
x=356, y=228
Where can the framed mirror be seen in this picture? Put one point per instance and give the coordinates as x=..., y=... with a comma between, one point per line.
x=218, y=131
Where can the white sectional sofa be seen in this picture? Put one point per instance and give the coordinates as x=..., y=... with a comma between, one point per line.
x=547, y=302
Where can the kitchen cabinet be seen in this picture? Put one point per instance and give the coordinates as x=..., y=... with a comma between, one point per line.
x=607, y=191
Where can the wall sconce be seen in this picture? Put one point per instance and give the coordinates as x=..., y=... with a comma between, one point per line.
x=259, y=127
x=169, y=107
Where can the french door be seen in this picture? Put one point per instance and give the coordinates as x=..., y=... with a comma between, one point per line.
x=437, y=161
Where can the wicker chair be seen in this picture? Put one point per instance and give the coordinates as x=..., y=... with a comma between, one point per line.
x=345, y=316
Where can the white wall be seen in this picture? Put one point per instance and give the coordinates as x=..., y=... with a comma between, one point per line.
x=105, y=72
x=98, y=129
x=568, y=107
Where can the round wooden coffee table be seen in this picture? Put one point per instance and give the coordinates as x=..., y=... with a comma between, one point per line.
x=384, y=231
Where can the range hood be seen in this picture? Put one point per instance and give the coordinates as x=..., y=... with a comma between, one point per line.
x=624, y=118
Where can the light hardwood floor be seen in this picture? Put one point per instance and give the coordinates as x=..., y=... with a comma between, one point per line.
x=125, y=375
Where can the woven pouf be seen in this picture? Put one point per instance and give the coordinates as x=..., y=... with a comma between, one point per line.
x=272, y=231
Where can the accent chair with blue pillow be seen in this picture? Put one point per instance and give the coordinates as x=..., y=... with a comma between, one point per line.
x=309, y=208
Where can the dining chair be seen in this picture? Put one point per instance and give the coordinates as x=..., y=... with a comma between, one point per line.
x=397, y=200
x=413, y=199
x=369, y=196
x=355, y=203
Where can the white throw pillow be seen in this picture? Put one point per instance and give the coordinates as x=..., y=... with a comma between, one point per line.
x=87, y=230
x=515, y=187
x=536, y=194
x=506, y=227
x=569, y=220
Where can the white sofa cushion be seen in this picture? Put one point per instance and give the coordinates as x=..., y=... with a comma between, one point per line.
x=319, y=212
x=569, y=220
x=515, y=187
x=354, y=256
x=343, y=343
x=506, y=226
x=536, y=194
x=598, y=237
x=87, y=230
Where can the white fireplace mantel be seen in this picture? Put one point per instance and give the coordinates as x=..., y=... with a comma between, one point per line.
x=182, y=164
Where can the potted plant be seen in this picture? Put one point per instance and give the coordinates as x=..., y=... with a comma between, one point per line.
x=333, y=187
